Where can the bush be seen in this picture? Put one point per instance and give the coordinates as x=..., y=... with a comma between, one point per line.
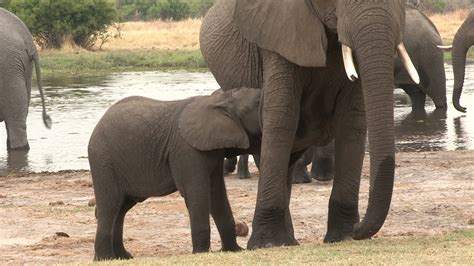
x=162, y=9
x=438, y=6
x=53, y=21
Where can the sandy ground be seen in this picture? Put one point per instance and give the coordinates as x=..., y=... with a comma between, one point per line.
x=434, y=193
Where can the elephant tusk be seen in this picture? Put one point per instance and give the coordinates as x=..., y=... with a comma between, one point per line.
x=445, y=47
x=349, y=63
x=403, y=54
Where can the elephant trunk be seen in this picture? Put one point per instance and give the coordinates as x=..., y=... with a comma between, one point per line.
x=46, y=118
x=461, y=45
x=374, y=53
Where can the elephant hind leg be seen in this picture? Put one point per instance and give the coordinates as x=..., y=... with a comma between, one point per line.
x=15, y=110
x=16, y=135
x=109, y=204
x=119, y=249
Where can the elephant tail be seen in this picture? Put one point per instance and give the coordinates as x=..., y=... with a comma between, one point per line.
x=46, y=118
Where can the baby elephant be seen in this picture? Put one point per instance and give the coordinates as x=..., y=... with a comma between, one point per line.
x=143, y=148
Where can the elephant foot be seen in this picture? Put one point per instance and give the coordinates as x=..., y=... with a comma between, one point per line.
x=267, y=236
x=229, y=165
x=243, y=167
x=323, y=178
x=243, y=171
x=232, y=248
x=98, y=257
x=300, y=176
x=244, y=175
x=124, y=255
x=341, y=221
x=323, y=170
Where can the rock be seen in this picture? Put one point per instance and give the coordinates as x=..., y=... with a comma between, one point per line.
x=241, y=229
x=62, y=234
x=471, y=221
x=56, y=203
x=91, y=202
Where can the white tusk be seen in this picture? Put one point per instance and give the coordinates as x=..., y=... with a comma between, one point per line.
x=445, y=47
x=349, y=63
x=402, y=53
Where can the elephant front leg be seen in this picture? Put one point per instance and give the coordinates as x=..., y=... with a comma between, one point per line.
x=280, y=112
x=349, y=155
x=222, y=213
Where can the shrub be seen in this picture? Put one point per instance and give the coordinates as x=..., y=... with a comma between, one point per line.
x=438, y=6
x=53, y=21
x=162, y=9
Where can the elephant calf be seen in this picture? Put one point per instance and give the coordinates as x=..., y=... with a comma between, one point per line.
x=143, y=148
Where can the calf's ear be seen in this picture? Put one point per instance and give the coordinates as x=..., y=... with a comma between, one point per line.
x=208, y=124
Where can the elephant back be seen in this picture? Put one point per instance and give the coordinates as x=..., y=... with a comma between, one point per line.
x=15, y=31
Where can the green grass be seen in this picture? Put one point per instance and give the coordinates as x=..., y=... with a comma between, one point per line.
x=448, y=57
x=450, y=248
x=86, y=62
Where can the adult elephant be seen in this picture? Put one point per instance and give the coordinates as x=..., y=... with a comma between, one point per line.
x=463, y=40
x=294, y=50
x=421, y=39
x=17, y=54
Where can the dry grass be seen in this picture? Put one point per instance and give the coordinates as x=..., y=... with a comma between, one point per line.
x=449, y=23
x=184, y=35
x=162, y=35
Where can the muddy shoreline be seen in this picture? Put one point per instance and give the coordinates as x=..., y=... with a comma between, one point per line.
x=45, y=217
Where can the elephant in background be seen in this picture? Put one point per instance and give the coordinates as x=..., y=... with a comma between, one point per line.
x=326, y=72
x=463, y=40
x=421, y=39
x=17, y=54
x=142, y=148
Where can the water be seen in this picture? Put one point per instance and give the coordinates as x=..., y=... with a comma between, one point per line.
x=77, y=103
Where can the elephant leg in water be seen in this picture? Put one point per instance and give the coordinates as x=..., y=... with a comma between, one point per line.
x=17, y=55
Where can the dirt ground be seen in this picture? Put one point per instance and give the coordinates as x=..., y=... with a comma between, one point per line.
x=45, y=217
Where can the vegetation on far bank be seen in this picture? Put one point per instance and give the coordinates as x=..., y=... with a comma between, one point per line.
x=159, y=45
x=89, y=63
x=450, y=248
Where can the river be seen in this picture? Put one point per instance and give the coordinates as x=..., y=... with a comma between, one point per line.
x=77, y=103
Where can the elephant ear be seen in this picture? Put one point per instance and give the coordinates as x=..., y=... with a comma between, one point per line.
x=207, y=123
x=287, y=27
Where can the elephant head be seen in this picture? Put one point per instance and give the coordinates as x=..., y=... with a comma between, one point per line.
x=222, y=120
x=463, y=40
x=370, y=33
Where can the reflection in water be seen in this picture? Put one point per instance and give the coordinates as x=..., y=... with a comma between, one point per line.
x=77, y=103
x=16, y=161
x=414, y=129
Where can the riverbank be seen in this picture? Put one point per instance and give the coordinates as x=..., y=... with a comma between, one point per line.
x=167, y=45
x=83, y=62
x=45, y=218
